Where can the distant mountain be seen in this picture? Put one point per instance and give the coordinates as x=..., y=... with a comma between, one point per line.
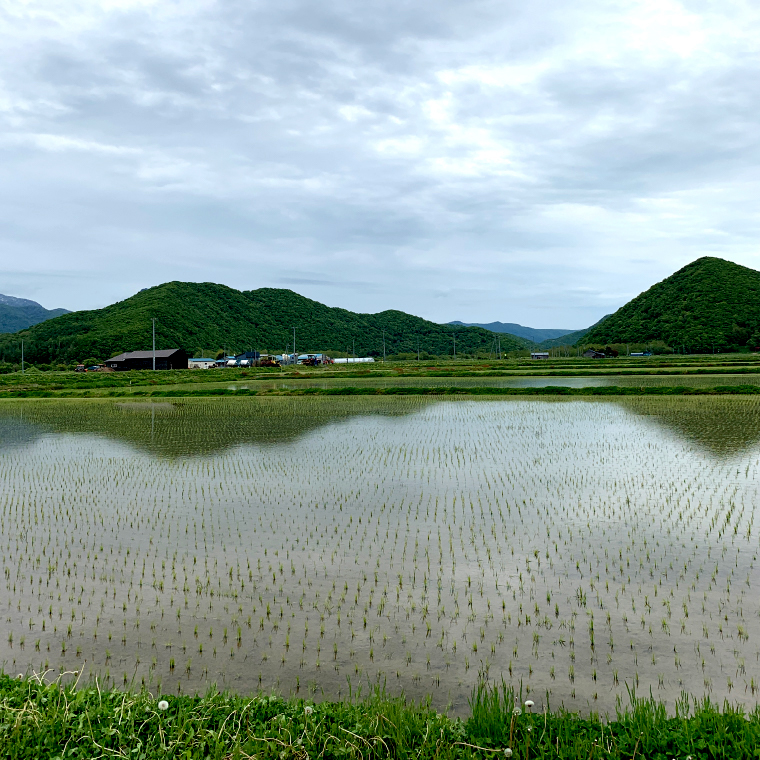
x=19, y=313
x=201, y=317
x=529, y=333
x=572, y=338
x=708, y=303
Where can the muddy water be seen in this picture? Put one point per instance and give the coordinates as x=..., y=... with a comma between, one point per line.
x=314, y=546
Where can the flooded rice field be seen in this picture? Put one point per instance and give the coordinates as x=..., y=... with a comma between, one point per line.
x=313, y=546
x=625, y=381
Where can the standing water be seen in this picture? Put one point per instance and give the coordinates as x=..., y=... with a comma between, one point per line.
x=319, y=545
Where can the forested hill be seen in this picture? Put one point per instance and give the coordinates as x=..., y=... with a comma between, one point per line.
x=203, y=317
x=18, y=313
x=709, y=303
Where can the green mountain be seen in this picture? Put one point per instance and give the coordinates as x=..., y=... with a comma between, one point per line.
x=534, y=334
x=18, y=313
x=205, y=317
x=709, y=303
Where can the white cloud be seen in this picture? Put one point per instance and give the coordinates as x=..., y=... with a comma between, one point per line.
x=573, y=144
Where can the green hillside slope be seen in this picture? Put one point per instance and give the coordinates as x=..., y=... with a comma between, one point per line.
x=203, y=317
x=710, y=303
x=572, y=338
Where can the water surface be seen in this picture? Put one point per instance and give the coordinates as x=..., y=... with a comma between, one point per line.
x=574, y=546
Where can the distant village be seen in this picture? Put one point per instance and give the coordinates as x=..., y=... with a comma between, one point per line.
x=177, y=358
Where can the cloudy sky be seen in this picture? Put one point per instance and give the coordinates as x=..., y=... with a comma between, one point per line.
x=538, y=162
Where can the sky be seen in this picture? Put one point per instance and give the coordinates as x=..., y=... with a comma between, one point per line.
x=537, y=162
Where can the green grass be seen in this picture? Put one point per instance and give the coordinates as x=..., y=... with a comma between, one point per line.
x=704, y=365
x=39, y=720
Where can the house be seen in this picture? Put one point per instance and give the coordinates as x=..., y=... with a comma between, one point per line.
x=201, y=363
x=640, y=353
x=591, y=354
x=539, y=355
x=172, y=358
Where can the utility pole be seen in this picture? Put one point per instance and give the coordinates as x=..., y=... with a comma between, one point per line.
x=154, y=343
x=295, y=356
x=455, y=345
x=383, y=346
x=418, y=348
x=22, y=357
x=353, y=348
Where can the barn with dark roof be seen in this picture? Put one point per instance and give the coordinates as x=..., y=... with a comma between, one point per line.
x=172, y=358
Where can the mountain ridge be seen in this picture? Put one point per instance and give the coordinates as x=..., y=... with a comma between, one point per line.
x=533, y=334
x=200, y=317
x=570, y=339
x=19, y=313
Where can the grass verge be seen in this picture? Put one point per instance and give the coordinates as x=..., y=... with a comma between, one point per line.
x=40, y=720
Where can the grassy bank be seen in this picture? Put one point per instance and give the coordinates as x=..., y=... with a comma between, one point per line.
x=549, y=390
x=39, y=720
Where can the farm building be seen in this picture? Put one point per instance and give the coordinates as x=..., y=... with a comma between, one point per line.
x=591, y=354
x=247, y=358
x=172, y=358
x=201, y=363
x=539, y=355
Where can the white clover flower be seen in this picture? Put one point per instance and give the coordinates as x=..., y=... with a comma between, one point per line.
x=163, y=705
x=308, y=709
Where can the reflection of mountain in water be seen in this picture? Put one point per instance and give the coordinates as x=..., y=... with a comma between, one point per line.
x=190, y=427
x=724, y=426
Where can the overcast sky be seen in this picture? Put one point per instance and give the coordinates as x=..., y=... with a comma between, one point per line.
x=537, y=162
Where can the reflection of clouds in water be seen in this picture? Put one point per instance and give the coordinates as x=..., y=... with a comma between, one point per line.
x=481, y=519
x=15, y=432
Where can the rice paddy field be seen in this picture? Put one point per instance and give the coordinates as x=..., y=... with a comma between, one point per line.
x=623, y=381
x=321, y=546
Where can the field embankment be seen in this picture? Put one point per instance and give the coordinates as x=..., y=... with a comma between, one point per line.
x=48, y=720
